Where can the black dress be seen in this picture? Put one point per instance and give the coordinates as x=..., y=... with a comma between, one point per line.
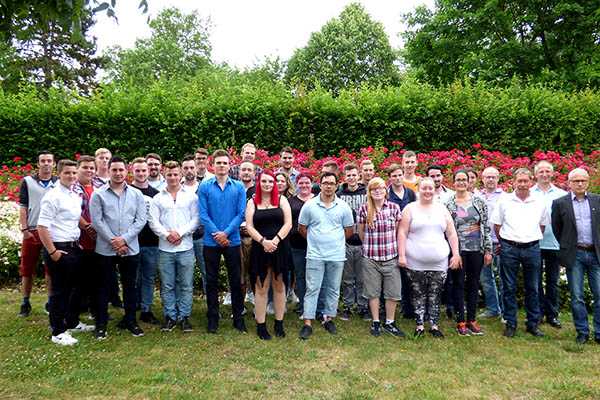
x=268, y=222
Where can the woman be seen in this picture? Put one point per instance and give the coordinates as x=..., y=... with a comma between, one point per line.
x=470, y=216
x=423, y=249
x=285, y=185
x=378, y=222
x=297, y=241
x=268, y=221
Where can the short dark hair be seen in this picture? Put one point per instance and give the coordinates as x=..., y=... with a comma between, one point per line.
x=45, y=152
x=326, y=174
x=62, y=164
x=220, y=153
x=153, y=155
x=350, y=166
x=286, y=149
x=86, y=158
x=434, y=167
x=201, y=150
x=187, y=157
x=393, y=167
x=115, y=159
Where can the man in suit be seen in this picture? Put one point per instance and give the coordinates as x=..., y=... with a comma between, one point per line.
x=576, y=224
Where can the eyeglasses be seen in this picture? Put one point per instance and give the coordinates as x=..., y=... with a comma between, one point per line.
x=327, y=183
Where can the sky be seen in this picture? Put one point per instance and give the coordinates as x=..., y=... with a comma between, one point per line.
x=245, y=32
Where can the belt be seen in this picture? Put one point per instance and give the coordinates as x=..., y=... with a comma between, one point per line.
x=585, y=247
x=521, y=245
x=67, y=244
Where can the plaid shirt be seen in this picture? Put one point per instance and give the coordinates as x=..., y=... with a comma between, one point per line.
x=381, y=242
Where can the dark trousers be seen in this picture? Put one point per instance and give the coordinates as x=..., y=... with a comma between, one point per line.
x=407, y=308
x=467, y=278
x=128, y=272
x=212, y=257
x=549, y=302
x=113, y=286
x=65, y=298
x=89, y=282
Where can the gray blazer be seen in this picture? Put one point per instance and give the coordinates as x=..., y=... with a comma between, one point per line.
x=565, y=231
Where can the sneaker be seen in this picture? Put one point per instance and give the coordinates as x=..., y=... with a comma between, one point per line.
x=376, y=328
x=168, y=325
x=81, y=327
x=292, y=298
x=100, y=333
x=419, y=333
x=25, y=310
x=474, y=328
x=64, y=339
x=249, y=297
x=509, y=331
x=132, y=327
x=345, y=314
x=186, y=326
x=270, y=309
x=436, y=333
x=149, y=318
x=535, y=331
x=393, y=330
x=305, y=332
x=227, y=299
x=582, y=338
x=213, y=326
x=462, y=330
x=330, y=327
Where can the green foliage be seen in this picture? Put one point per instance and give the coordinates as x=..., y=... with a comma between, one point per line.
x=348, y=51
x=552, y=41
x=220, y=108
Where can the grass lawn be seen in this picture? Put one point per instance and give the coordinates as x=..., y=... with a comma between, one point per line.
x=351, y=365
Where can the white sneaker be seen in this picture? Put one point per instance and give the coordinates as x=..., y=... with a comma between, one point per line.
x=292, y=298
x=81, y=327
x=270, y=309
x=249, y=297
x=64, y=339
x=227, y=299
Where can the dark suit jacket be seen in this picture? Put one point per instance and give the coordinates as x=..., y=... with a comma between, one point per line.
x=565, y=231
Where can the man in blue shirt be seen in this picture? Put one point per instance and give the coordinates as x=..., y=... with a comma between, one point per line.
x=222, y=206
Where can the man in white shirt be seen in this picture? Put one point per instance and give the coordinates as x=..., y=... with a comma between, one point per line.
x=519, y=220
x=442, y=193
x=174, y=218
x=58, y=228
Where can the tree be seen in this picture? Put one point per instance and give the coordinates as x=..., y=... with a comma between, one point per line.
x=348, y=51
x=497, y=40
x=178, y=47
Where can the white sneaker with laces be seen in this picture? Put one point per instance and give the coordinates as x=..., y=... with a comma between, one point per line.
x=270, y=309
x=81, y=327
x=64, y=339
x=227, y=299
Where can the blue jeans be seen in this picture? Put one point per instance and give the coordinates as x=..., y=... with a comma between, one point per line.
x=325, y=277
x=548, y=288
x=492, y=293
x=198, y=247
x=146, y=276
x=176, y=283
x=511, y=258
x=586, y=262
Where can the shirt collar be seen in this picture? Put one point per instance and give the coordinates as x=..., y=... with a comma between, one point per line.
x=319, y=202
x=574, y=197
x=529, y=198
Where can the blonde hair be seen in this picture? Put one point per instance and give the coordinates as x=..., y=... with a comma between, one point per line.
x=371, y=209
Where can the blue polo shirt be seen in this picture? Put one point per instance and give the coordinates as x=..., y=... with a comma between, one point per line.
x=325, y=226
x=221, y=210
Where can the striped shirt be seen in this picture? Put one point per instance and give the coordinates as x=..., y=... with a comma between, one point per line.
x=381, y=242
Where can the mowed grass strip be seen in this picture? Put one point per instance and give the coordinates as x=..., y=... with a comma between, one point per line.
x=351, y=365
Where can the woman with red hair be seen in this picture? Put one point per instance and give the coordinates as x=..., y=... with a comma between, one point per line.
x=268, y=221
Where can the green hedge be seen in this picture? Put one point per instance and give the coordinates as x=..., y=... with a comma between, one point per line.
x=172, y=118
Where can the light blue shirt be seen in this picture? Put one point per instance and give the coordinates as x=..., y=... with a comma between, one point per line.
x=325, y=226
x=490, y=200
x=116, y=215
x=583, y=220
x=549, y=242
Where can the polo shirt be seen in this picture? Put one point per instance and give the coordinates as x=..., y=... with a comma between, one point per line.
x=60, y=211
x=549, y=242
x=520, y=220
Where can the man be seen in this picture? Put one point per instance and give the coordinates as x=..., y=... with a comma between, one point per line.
x=402, y=196
x=247, y=177
x=118, y=215
x=33, y=189
x=188, y=170
x=549, y=302
x=248, y=154
x=409, y=165
x=354, y=194
x=367, y=171
x=155, y=178
x=174, y=218
x=148, y=241
x=202, y=173
x=491, y=193
x=58, y=229
x=102, y=156
x=519, y=220
x=222, y=206
x=286, y=163
x=329, y=166
x=201, y=158
x=326, y=221
x=576, y=224
x=442, y=193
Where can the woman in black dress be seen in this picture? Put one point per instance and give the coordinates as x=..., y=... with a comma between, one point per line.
x=268, y=221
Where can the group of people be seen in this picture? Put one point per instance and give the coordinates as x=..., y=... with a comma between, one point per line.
x=407, y=240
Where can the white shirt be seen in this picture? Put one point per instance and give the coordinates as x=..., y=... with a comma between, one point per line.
x=180, y=215
x=60, y=211
x=191, y=188
x=158, y=184
x=520, y=220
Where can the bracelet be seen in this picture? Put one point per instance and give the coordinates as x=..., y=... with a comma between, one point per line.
x=279, y=237
x=24, y=229
x=55, y=250
x=262, y=239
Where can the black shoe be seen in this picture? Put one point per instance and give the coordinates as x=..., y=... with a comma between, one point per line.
x=330, y=327
x=365, y=314
x=168, y=325
x=375, y=328
x=213, y=326
x=319, y=317
x=509, y=331
x=278, y=328
x=132, y=327
x=240, y=325
x=345, y=314
x=554, y=322
x=582, y=338
x=436, y=333
x=185, y=324
x=100, y=333
x=305, y=332
x=393, y=330
x=535, y=331
x=25, y=310
x=419, y=333
x=149, y=318
x=262, y=332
